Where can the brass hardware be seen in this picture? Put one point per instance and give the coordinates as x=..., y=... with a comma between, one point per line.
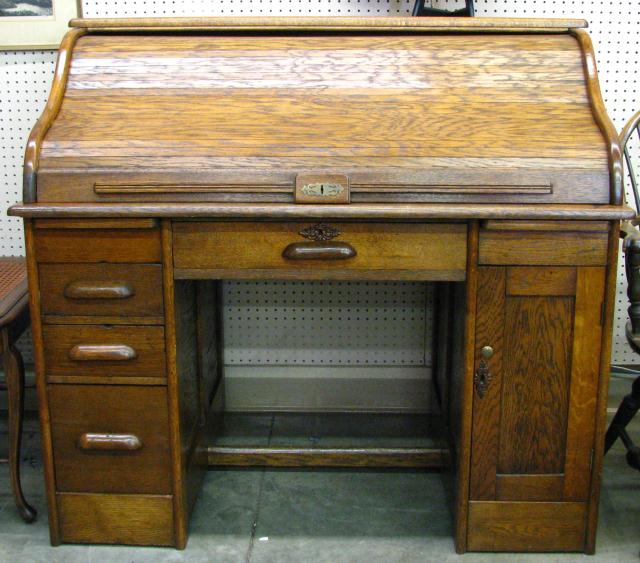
x=482, y=378
x=320, y=232
x=487, y=352
x=322, y=189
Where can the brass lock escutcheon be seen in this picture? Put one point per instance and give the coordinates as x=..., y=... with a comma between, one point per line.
x=322, y=188
x=482, y=377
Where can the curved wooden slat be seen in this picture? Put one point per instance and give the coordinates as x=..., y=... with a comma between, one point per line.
x=600, y=113
x=32, y=152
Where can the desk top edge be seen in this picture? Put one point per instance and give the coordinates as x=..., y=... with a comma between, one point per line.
x=333, y=23
x=361, y=212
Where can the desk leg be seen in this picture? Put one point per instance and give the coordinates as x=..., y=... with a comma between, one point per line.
x=14, y=376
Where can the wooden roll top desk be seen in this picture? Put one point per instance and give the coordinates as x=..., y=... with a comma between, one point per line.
x=475, y=154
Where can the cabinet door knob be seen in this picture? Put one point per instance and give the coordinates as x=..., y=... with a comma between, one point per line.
x=487, y=352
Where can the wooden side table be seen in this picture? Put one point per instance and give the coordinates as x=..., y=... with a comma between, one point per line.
x=14, y=319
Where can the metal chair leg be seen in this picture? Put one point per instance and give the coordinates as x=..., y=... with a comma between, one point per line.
x=14, y=376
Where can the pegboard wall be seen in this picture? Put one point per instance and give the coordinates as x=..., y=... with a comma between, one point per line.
x=267, y=323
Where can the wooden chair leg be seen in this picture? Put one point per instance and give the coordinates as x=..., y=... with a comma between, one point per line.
x=14, y=377
x=626, y=411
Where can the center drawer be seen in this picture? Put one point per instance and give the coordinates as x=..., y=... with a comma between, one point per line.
x=231, y=250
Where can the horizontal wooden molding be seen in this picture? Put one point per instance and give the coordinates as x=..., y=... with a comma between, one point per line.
x=402, y=212
x=404, y=24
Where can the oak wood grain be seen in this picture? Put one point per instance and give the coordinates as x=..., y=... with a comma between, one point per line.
x=369, y=212
x=159, y=105
x=44, y=413
x=585, y=373
x=34, y=143
x=535, y=387
x=490, y=329
x=530, y=280
x=124, y=290
x=318, y=22
x=116, y=519
x=97, y=245
x=399, y=246
x=80, y=350
x=539, y=248
x=547, y=487
x=526, y=526
x=79, y=410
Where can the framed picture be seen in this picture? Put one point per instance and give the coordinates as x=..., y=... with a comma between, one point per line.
x=35, y=24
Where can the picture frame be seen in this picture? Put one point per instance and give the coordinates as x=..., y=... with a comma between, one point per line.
x=35, y=24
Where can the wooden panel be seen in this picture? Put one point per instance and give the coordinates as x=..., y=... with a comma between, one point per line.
x=116, y=519
x=490, y=323
x=96, y=224
x=379, y=246
x=97, y=245
x=146, y=341
x=139, y=411
x=577, y=226
x=143, y=284
x=561, y=249
x=585, y=374
x=323, y=457
x=526, y=526
x=535, y=386
x=541, y=281
x=530, y=487
x=163, y=103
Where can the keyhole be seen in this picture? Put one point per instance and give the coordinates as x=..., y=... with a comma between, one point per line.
x=321, y=189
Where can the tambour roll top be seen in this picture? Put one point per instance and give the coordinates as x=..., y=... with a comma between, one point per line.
x=407, y=110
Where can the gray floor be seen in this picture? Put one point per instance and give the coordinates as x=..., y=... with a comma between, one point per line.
x=316, y=516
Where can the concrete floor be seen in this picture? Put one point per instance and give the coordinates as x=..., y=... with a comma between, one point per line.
x=263, y=515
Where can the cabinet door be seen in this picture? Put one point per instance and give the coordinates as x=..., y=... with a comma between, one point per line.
x=538, y=340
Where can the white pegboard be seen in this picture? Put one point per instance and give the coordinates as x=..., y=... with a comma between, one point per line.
x=25, y=79
x=327, y=323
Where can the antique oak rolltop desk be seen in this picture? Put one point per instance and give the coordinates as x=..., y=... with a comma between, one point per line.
x=475, y=154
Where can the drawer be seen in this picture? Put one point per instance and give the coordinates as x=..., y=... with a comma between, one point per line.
x=543, y=248
x=104, y=351
x=110, y=438
x=306, y=250
x=101, y=289
x=98, y=245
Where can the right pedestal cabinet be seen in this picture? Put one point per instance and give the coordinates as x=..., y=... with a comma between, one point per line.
x=538, y=345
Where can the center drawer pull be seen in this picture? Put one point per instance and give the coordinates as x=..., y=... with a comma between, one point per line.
x=109, y=442
x=319, y=251
x=102, y=352
x=87, y=289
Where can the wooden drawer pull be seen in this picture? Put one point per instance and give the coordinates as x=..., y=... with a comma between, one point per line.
x=98, y=290
x=102, y=352
x=109, y=442
x=319, y=251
